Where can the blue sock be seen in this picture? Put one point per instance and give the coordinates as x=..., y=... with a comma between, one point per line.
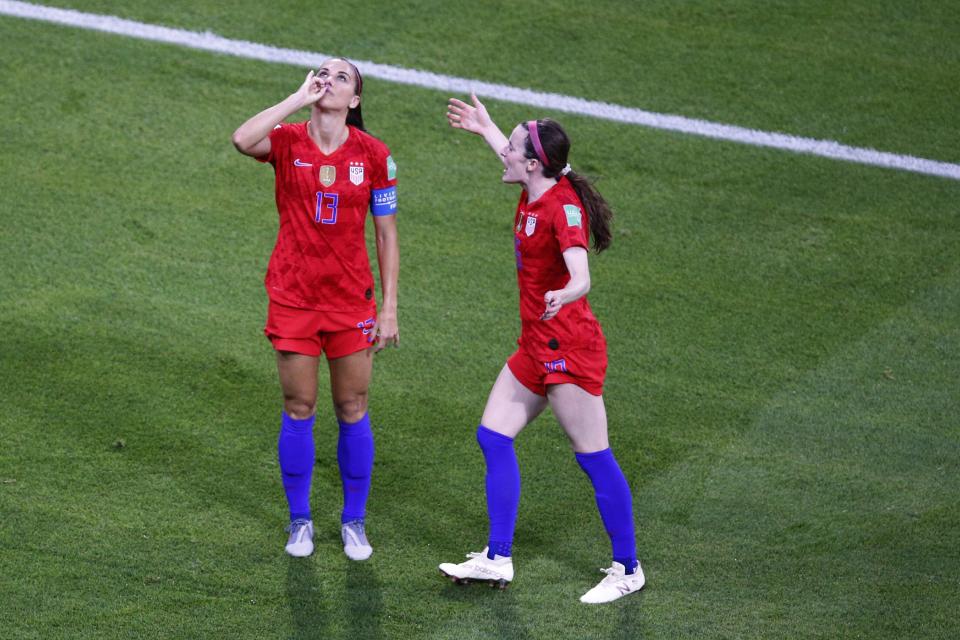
x=295, y=451
x=503, y=489
x=355, y=459
x=614, y=502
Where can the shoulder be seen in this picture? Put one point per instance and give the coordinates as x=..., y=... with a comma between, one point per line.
x=562, y=199
x=377, y=154
x=289, y=131
x=566, y=213
x=566, y=194
x=374, y=146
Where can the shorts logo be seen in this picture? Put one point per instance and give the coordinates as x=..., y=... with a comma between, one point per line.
x=531, y=225
x=366, y=326
x=356, y=173
x=556, y=366
x=328, y=175
x=574, y=217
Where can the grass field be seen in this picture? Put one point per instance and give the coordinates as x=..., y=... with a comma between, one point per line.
x=783, y=330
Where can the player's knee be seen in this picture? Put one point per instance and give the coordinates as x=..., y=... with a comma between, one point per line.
x=299, y=408
x=352, y=408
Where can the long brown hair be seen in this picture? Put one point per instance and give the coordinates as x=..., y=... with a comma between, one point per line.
x=555, y=145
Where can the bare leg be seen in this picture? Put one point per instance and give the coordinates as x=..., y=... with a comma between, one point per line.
x=298, y=379
x=582, y=416
x=349, y=384
x=584, y=419
x=295, y=450
x=510, y=405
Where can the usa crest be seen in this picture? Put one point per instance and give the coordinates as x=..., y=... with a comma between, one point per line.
x=356, y=173
x=531, y=225
x=328, y=175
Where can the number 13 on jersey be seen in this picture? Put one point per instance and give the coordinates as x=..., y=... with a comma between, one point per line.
x=326, y=208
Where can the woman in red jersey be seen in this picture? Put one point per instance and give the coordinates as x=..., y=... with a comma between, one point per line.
x=329, y=173
x=561, y=360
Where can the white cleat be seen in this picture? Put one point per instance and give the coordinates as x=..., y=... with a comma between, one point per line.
x=479, y=568
x=616, y=585
x=300, y=542
x=355, y=543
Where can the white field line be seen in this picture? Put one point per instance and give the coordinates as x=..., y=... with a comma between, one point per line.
x=207, y=41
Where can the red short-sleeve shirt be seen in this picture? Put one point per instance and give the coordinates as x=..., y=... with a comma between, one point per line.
x=320, y=259
x=543, y=230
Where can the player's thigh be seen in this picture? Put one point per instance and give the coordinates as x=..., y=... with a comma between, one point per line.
x=298, y=380
x=510, y=405
x=349, y=384
x=582, y=416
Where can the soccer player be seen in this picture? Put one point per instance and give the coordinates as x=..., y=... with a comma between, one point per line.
x=561, y=360
x=329, y=172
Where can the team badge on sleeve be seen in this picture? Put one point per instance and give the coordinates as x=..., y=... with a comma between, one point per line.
x=356, y=173
x=391, y=168
x=328, y=175
x=574, y=217
x=531, y=225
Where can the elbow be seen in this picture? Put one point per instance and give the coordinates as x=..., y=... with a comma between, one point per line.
x=237, y=141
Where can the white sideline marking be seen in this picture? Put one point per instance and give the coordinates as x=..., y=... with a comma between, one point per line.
x=208, y=41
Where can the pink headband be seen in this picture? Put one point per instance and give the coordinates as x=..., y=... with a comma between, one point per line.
x=535, y=139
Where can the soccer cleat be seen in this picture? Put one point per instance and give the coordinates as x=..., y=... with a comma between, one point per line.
x=300, y=542
x=355, y=543
x=479, y=568
x=616, y=585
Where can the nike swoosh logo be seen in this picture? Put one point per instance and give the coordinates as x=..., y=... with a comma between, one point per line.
x=297, y=163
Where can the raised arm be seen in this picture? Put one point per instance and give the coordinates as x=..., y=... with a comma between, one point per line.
x=475, y=119
x=252, y=138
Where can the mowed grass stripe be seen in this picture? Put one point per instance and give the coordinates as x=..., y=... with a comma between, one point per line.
x=132, y=310
x=850, y=477
x=568, y=104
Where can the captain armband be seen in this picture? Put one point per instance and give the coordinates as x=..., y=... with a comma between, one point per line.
x=383, y=202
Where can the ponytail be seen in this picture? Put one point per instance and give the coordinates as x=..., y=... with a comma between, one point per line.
x=355, y=118
x=549, y=143
x=598, y=211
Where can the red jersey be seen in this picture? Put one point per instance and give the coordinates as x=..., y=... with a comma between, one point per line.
x=320, y=259
x=543, y=230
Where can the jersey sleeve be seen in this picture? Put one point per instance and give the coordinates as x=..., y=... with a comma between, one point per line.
x=570, y=226
x=280, y=139
x=383, y=181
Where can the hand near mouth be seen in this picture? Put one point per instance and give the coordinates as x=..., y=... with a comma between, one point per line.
x=312, y=89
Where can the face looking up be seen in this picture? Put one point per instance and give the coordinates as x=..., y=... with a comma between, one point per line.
x=340, y=80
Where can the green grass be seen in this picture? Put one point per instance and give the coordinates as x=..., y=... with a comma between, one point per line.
x=784, y=346
x=864, y=73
